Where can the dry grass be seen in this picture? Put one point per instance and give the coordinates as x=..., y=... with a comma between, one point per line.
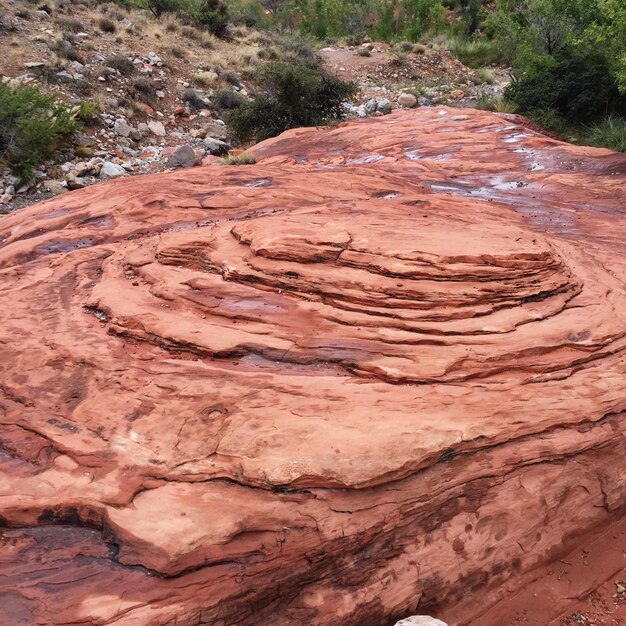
x=244, y=158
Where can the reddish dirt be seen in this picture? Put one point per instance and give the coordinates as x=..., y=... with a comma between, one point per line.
x=381, y=64
x=380, y=372
x=585, y=586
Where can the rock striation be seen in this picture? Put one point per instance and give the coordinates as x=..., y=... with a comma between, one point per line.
x=380, y=370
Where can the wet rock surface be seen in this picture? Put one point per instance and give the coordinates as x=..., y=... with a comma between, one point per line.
x=378, y=371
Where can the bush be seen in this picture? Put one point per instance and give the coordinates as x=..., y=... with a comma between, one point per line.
x=475, y=52
x=213, y=15
x=609, y=133
x=65, y=49
x=576, y=85
x=245, y=158
x=144, y=90
x=228, y=99
x=484, y=76
x=209, y=14
x=106, y=25
x=193, y=98
x=486, y=102
x=159, y=7
x=32, y=127
x=121, y=63
x=70, y=24
x=291, y=96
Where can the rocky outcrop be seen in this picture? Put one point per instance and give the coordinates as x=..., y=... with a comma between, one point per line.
x=379, y=370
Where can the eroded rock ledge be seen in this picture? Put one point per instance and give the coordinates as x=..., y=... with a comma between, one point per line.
x=379, y=370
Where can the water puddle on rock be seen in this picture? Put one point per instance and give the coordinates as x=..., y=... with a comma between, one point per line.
x=55, y=246
x=534, y=165
x=516, y=137
x=261, y=182
x=53, y=214
x=366, y=158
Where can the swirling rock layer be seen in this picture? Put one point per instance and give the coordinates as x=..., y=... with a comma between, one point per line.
x=380, y=370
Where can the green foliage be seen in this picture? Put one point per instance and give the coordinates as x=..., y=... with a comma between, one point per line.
x=291, y=95
x=499, y=105
x=474, y=52
x=383, y=20
x=86, y=112
x=422, y=17
x=211, y=15
x=550, y=120
x=577, y=85
x=569, y=60
x=32, y=126
x=227, y=99
x=608, y=133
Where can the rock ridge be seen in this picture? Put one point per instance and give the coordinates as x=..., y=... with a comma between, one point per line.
x=378, y=370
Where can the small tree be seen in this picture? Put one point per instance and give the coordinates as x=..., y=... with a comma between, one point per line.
x=291, y=96
x=32, y=126
x=213, y=15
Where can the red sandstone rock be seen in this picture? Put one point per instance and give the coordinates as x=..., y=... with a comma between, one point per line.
x=378, y=371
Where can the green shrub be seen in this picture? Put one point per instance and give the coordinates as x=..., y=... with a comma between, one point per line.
x=32, y=126
x=496, y=104
x=86, y=112
x=212, y=15
x=159, y=7
x=577, y=85
x=291, y=96
x=474, y=52
x=485, y=76
x=228, y=99
x=550, y=120
x=608, y=133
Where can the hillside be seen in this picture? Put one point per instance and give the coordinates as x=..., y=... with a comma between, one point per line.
x=155, y=85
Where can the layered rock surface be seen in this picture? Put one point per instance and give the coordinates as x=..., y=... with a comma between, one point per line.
x=377, y=371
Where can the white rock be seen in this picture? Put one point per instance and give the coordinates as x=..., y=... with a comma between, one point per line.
x=370, y=106
x=183, y=156
x=407, y=100
x=157, y=128
x=111, y=170
x=420, y=620
x=65, y=76
x=216, y=147
x=383, y=106
x=121, y=127
x=77, y=66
